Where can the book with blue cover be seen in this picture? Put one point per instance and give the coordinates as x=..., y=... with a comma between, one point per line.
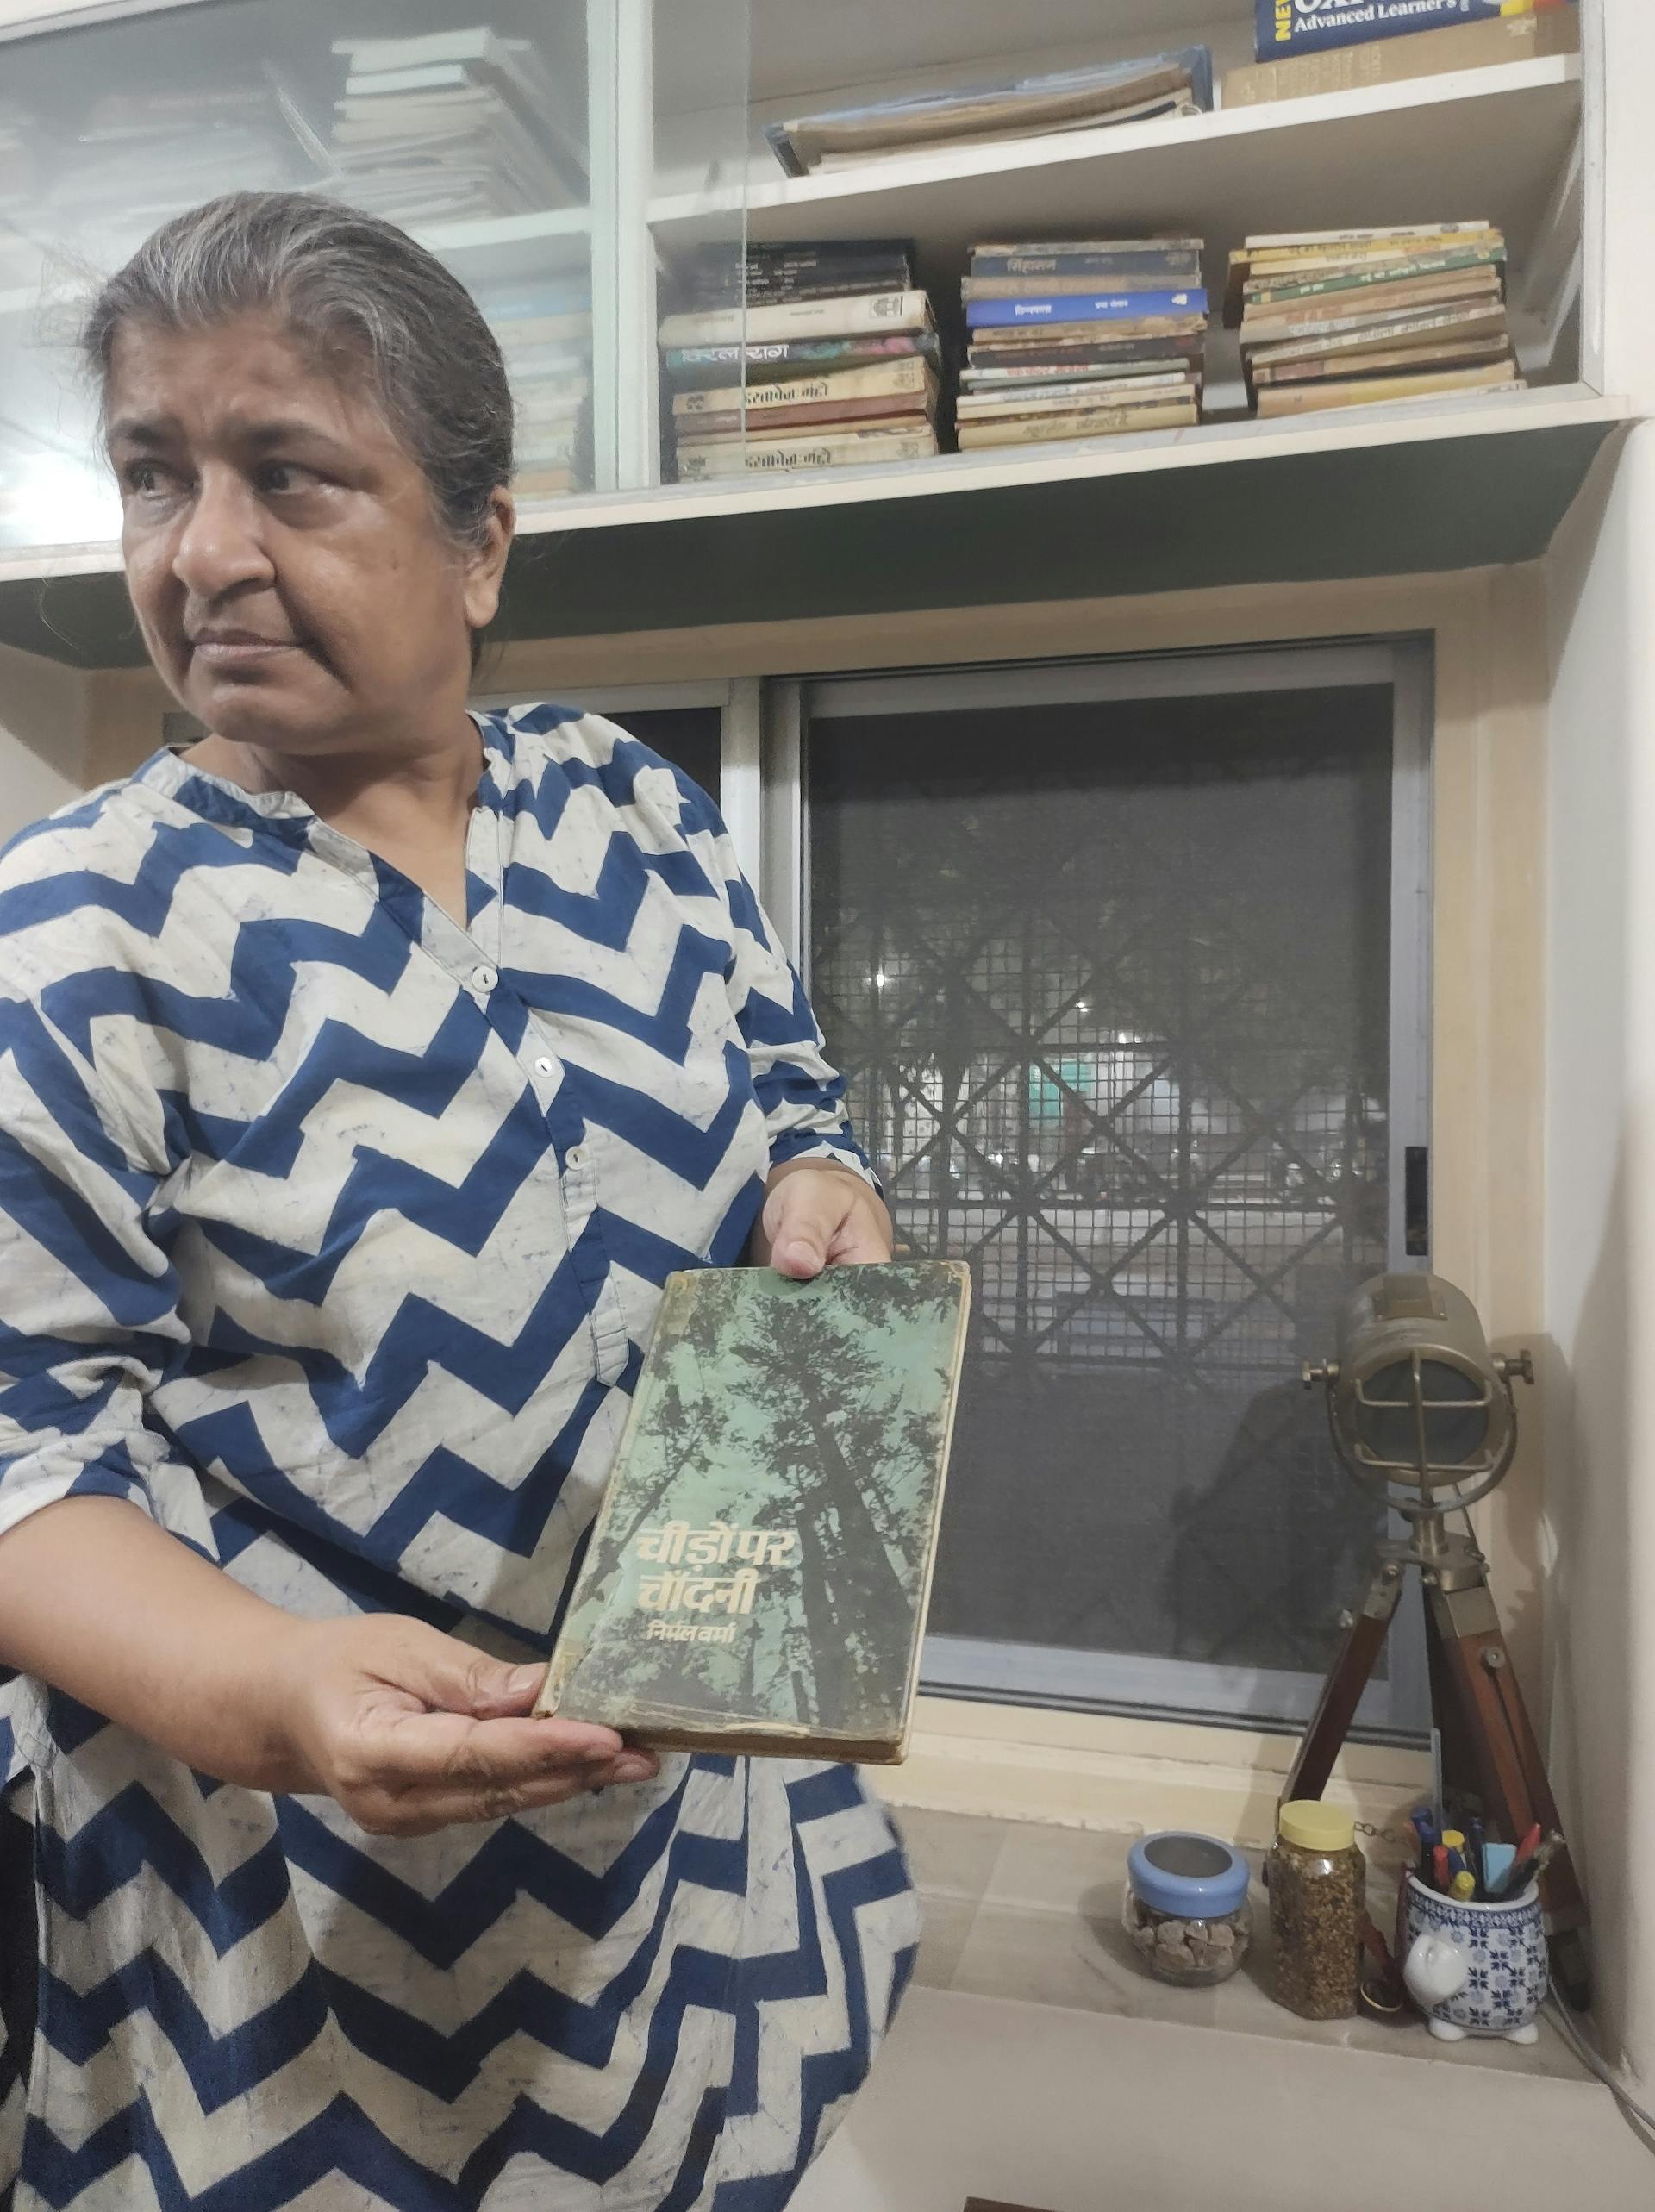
x=758, y=1575
x=1084, y=307
x=1287, y=27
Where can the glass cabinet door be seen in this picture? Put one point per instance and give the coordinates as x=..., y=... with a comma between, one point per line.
x=516, y=141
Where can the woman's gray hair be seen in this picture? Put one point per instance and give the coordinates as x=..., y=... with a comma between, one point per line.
x=359, y=293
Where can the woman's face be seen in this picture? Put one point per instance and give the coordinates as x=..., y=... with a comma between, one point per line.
x=290, y=576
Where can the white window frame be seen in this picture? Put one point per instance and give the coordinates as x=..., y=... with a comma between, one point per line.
x=1181, y=1691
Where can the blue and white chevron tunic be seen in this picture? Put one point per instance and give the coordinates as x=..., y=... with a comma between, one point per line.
x=330, y=1233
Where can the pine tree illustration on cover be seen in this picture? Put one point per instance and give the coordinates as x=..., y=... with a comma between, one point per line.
x=757, y=1577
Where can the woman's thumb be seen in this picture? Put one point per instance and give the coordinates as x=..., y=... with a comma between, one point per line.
x=461, y=1679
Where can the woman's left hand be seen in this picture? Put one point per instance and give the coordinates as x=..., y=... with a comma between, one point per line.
x=818, y=1217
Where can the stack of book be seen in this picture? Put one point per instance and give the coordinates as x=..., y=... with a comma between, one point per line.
x=1177, y=83
x=458, y=124
x=830, y=361
x=545, y=336
x=1083, y=338
x=1355, y=318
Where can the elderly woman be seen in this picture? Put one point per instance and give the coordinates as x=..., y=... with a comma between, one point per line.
x=365, y=1070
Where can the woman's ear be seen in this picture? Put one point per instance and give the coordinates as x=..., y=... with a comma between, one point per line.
x=485, y=566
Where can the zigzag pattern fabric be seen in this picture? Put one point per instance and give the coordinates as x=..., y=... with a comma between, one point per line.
x=330, y=1234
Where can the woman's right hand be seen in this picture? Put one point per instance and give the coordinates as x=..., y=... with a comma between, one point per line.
x=411, y=1731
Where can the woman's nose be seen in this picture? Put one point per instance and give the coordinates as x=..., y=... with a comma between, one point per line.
x=221, y=541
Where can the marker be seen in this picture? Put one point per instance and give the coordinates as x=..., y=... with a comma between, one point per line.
x=1464, y=1887
x=1439, y=1867
x=1452, y=1839
x=1424, y=1829
x=1474, y=1852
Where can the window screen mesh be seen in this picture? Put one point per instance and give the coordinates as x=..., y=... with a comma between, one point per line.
x=1110, y=983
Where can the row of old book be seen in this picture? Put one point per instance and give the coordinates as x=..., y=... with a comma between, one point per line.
x=832, y=358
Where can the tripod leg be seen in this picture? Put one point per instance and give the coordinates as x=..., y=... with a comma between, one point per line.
x=1481, y=1709
x=1341, y=1693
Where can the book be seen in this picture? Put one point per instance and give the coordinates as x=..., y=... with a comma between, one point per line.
x=786, y=357
x=974, y=387
x=543, y=483
x=1290, y=27
x=1488, y=44
x=1366, y=361
x=893, y=411
x=1335, y=310
x=1019, y=107
x=1059, y=371
x=778, y=456
x=1370, y=276
x=840, y=388
x=1154, y=109
x=1094, y=422
x=828, y=318
x=758, y=1575
x=1395, y=329
x=1059, y=347
x=1085, y=307
x=1108, y=266
x=1379, y=236
x=1058, y=284
x=1068, y=399
x=1370, y=391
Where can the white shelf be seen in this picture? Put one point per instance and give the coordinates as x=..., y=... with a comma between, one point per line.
x=1472, y=142
x=1419, y=486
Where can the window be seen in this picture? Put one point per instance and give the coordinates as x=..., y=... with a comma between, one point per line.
x=1123, y=965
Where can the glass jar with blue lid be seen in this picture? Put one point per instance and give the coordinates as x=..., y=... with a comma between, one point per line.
x=1186, y=1908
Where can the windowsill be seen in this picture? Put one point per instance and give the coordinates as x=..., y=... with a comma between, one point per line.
x=1032, y=1764
x=1016, y=1910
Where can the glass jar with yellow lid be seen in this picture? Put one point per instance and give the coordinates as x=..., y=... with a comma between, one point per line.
x=1318, y=1885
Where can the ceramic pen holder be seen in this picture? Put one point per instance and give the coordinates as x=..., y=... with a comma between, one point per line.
x=1475, y=1970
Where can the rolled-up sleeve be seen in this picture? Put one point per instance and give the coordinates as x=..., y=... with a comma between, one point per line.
x=89, y=1301
x=800, y=1092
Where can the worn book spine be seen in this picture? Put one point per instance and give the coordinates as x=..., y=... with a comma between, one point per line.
x=899, y=411
x=1007, y=391
x=744, y=457
x=1068, y=399
x=1094, y=422
x=913, y=374
x=1084, y=307
x=1017, y=374
x=1355, y=329
x=1034, y=349
x=1283, y=241
x=1485, y=45
x=828, y=318
x=1372, y=391
x=1374, y=360
x=1265, y=293
x=1284, y=27
x=1337, y=310
x=1083, y=272
x=789, y=358
x=1060, y=283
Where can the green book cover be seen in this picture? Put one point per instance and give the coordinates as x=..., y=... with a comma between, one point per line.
x=759, y=1572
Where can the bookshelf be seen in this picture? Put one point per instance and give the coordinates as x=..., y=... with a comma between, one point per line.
x=677, y=94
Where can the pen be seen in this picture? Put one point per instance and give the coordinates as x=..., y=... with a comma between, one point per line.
x=1424, y=1829
x=1440, y=1868
x=1474, y=1852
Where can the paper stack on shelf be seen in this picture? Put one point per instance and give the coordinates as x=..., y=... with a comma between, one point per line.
x=459, y=124
x=545, y=335
x=143, y=154
x=1357, y=318
x=1081, y=338
x=830, y=361
x=1177, y=83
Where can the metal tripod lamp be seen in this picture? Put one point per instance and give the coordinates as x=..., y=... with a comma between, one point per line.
x=1424, y=1413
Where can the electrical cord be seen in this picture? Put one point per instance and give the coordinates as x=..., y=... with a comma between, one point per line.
x=1642, y=2121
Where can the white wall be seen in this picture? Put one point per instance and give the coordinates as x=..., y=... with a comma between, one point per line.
x=44, y=727
x=1600, y=1222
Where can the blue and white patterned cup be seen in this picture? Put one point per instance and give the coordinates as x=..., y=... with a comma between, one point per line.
x=1475, y=1970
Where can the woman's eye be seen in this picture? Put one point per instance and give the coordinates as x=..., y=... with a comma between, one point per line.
x=284, y=476
x=142, y=476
